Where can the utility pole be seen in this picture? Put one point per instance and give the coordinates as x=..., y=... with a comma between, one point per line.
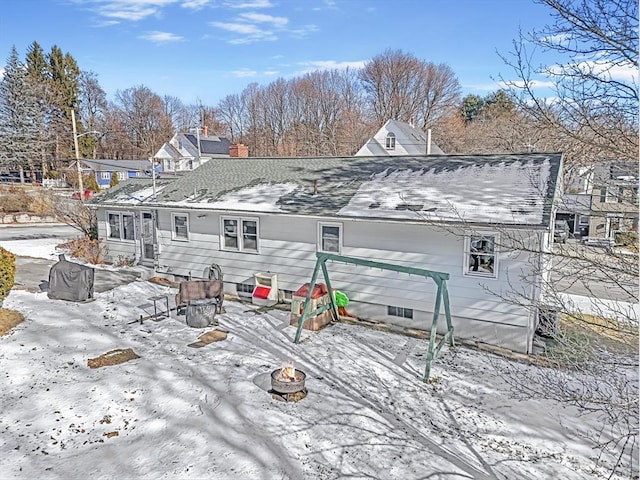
x=75, y=144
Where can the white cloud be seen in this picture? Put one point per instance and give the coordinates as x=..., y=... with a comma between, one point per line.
x=534, y=84
x=303, y=31
x=244, y=73
x=132, y=10
x=249, y=4
x=262, y=18
x=314, y=65
x=108, y=23
x=242, y=28
x=195, y=4
x=1, y=73
x=161, y=37
x=250, y=33
x=559, y=39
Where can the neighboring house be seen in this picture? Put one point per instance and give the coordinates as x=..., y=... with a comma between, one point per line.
x=458, y=214
x=576, y=210
x=187, y=151
x=398, y=138
x=103, y=170
x=614, y=202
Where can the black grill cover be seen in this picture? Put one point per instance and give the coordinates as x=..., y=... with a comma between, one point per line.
x=70, y=281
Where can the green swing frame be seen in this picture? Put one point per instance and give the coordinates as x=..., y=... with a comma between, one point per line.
x=442, y=299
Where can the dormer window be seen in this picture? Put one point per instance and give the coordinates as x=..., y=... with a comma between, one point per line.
x=391, y=141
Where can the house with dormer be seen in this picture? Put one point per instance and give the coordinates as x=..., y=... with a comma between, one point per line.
x=187, y=151
x=399, y=138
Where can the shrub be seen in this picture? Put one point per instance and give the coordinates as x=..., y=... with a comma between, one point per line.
x=89, y=250
x=89, y=182
x=41, y=202
x=7, y=272
x=629, y=239
x=114, y=180
x=14, y=200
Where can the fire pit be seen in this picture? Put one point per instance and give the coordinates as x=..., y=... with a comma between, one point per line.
x=287, y=384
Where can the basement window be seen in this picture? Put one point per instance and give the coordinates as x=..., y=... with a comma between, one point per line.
x=401, y=312
x=245, y=288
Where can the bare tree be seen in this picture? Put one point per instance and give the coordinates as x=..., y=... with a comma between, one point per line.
x=594, y=103
x=592, y=116
x=93, y=104
x=145, y=120
x=401, y=87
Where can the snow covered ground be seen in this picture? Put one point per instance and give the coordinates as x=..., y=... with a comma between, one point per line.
x=185, y=412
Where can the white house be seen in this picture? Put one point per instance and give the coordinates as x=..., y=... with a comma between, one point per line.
x=483, y=219
x=399, y=138
x=187, y=151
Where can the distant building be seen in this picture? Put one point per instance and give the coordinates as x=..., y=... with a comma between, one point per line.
x=398, y=138
x=103, y=170
x=187, y=151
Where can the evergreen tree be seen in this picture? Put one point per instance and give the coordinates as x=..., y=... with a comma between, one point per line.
x=37, y=73
x=114, y=179
x=64, y=87
x=36, y=63
x=20, y=114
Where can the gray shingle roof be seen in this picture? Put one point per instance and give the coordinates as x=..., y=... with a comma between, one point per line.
x=514, y=189
x=117, y=165
x=210, y=145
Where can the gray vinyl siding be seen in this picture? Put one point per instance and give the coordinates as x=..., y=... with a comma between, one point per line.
x=116, y=250
x=287, y=247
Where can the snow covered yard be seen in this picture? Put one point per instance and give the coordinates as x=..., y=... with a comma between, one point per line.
x=184, y=412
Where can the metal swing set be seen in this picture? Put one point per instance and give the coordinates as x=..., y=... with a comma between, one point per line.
x=442, y=299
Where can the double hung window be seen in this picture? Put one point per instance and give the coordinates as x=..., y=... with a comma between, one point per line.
x=330, y=237
x=120, y=226
x=240, y=234
x=481, y=255
x=180, y=226
x=390, y=141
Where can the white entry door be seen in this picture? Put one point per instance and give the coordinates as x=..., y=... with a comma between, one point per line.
x=148, y=236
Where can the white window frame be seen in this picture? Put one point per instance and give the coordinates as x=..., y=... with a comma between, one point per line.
x=584, y=220
x=610, y=194
x=240, y=234
x=320, y=243
x=123, y=175
x=390, y=141
x=174, y=234
x=467, y=263
x=121, y=226
x=105, y=175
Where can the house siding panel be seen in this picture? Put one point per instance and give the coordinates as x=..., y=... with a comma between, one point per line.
x=117, y=250
x=288, y=247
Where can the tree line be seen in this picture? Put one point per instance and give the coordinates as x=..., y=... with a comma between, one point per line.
x=591, y=117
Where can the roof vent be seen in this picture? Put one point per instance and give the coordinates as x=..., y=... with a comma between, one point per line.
x=414, y=207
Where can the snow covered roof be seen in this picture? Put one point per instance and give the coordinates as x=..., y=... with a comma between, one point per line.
x=510, y=189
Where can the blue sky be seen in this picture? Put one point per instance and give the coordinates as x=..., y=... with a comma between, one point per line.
x=202, y=50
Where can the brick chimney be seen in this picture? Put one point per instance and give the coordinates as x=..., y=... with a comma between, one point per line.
x=238, y=150
x=205, y=131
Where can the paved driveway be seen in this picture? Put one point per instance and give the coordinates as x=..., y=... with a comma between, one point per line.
x=592, y=272
x=32, y=272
